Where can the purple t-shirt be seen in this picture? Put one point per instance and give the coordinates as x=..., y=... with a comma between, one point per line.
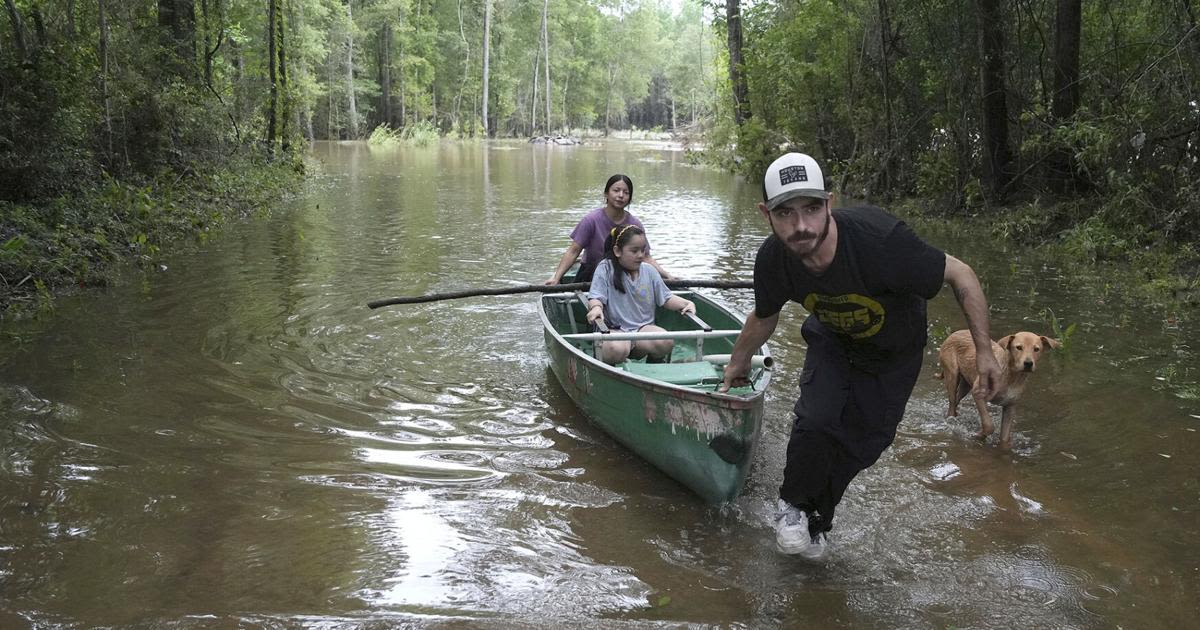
x=593, y=228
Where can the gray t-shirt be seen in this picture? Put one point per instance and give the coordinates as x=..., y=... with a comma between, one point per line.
x=635, y=307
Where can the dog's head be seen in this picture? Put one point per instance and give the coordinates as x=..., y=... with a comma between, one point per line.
x=1025, y=349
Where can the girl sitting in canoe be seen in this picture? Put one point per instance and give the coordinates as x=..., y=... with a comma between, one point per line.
x=625, y=291
x=589, y=235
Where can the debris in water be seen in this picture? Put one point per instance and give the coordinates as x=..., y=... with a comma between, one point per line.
x=1164, y=455
x=1068, y=455
x=944, y=471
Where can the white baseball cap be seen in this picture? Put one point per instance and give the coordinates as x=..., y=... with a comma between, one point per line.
x=793, y=175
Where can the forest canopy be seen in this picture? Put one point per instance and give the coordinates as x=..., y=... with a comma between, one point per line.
x=1090, y=109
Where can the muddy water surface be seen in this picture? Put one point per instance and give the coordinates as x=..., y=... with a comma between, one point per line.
x=237, y=439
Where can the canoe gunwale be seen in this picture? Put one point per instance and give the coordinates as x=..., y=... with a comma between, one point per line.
x=729, y=401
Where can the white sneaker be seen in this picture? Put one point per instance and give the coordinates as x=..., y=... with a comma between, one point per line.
x=818, y=549
x=791, y=529
x=792, y=536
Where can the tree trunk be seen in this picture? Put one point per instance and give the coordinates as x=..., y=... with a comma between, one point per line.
x=401, y=89
x=546, y=48
x=997, y=156
x=273, y=107
x=533, y=100
x=329, y=100
x=885, y=29
x=351, y=103
x=462, y=85
x=566, y=126
x=385, y=73
x=487, y=48
x=102, y=19
x=285, y=101
x=39, y=28
x=737, y=77
x=14, y=16
x=612, y=80
x=1067, y=31
x=210, y=49
x=177, y=24
x=71, y=30
x=304, y=116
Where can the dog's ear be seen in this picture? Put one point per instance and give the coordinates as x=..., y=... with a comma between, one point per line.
x=1053, y=343
x=1005, y=342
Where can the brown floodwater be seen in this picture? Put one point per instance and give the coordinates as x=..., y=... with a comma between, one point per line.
x=235, y=439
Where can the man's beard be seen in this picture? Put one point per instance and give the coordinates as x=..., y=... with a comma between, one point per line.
x=802, y=237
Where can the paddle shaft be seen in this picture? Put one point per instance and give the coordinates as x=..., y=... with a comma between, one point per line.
x=550, y=288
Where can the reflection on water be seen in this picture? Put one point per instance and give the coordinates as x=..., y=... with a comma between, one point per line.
x=240, y=440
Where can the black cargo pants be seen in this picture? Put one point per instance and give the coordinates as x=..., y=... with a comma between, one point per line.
x=845, y=418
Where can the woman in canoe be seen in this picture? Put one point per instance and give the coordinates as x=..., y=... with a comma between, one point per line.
x=589, y=235
x=625, y=291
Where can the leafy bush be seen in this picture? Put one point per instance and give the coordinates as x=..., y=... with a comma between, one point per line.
x=385, y=137
x=421, y=134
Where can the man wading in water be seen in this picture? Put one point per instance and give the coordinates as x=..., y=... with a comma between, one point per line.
x=865, y=278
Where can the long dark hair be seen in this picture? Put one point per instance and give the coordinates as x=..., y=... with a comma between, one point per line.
x=612, y=180
x=618, y=238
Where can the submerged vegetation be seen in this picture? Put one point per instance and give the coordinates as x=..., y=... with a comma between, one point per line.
x=420, y=134
x=127, y=126
x=76, y=239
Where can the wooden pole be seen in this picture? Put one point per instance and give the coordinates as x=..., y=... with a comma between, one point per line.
x=549, y=288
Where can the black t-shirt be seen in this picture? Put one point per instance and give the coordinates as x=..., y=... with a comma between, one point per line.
x=872, y=296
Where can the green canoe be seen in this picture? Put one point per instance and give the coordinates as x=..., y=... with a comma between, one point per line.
x=668, y=413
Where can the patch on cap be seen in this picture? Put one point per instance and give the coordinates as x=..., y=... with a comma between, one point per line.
x=792, y=174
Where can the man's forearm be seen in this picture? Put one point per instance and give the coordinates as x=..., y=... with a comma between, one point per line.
x=969, y=294
x=755, y=333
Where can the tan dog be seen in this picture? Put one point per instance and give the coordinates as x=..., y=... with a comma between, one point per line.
x=1018, y=355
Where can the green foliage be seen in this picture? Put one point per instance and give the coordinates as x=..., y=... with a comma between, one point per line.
x=1057, y=330
x=75, y=240
x=887, y=95
x=385, y=137
x=824, y=75
x=421, y=134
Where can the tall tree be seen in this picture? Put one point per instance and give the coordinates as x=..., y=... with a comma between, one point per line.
x=885, y=62
x=351, y=99
x=487, y=55
x=177, y=21
x=281, y=53
x=737, y=76
x=546, y=49
x=102, y=24
x=997, y=155
x=385, y=73
x=273, y=105
x=213, y=35
x=18, y=27
x=1067, y=31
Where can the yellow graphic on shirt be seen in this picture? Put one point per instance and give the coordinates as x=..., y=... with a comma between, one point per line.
x=853, y=315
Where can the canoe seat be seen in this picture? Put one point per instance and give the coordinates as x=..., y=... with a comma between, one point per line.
x=675, y=373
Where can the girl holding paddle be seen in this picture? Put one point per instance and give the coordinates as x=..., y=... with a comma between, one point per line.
x=625, y=291
x=589, y=235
